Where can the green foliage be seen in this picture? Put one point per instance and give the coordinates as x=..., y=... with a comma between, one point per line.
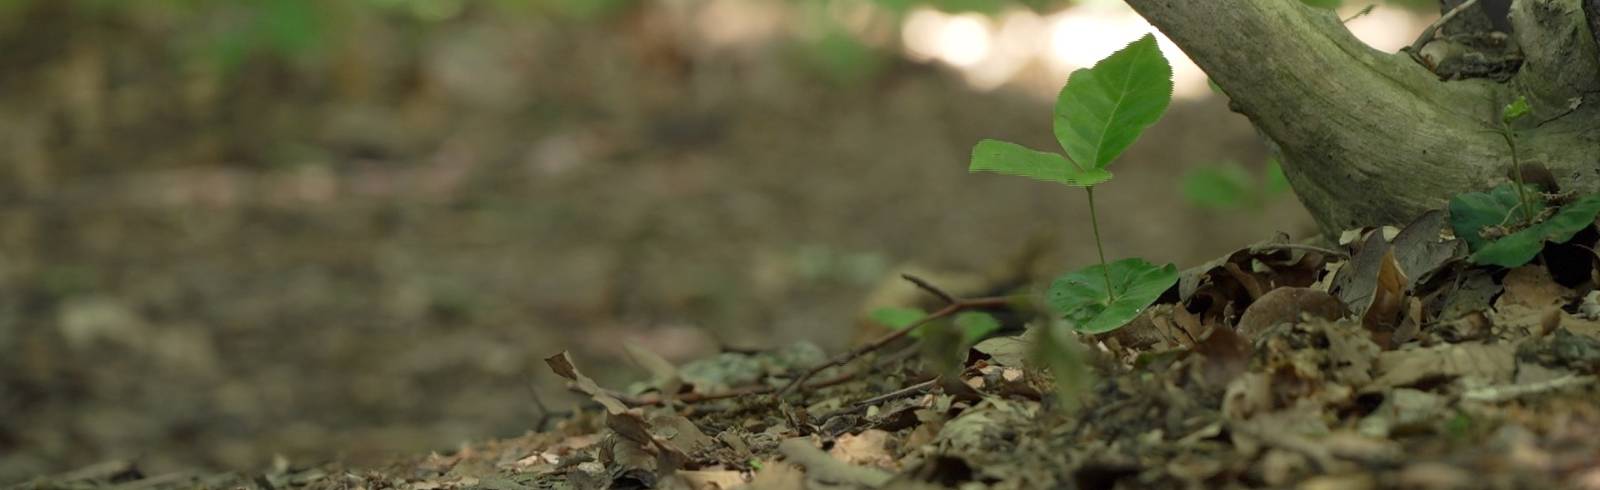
x=1521, y=247
x=1324, y=4
x=1222, y=186
x=1012, y=159
x=1103, y=109
x=974, y=326
x=897, y=318
x=1093, y=305
x=1230, y=186
x=1515, y=110
x=1474, y=213
x=1276, y=181
x=1489, y=222
x=1099, y=113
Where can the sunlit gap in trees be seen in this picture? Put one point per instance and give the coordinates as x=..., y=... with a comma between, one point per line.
x=1018, y=48
x=991, y=52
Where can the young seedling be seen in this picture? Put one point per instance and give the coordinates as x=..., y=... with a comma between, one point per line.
x=1489, y=221
x=1099, y=113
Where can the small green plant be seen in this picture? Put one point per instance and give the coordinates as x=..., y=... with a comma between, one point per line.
x=1228, y=186
x=1098, y=114
x=944, y=343
x=973, y=326
x=1510, y=224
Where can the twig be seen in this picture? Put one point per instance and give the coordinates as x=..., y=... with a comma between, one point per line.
x=538, y=402
x=1301, y=247
x=752, y=390
x=863, y=404
x=1364, y=11
x=900, y=393
x=956, y=305
x=1428, y=34
x=930, y=288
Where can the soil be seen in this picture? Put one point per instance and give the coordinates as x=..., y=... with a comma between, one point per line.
x=1358, y=376
x=372, y=254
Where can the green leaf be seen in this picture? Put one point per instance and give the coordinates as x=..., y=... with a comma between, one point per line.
x=1084, y=298
x=1277, y=183
x=1103, y=109
x=1521, y=247
x=897, y=318
x=1222, y=186
x=1515, y=110
x=1472, y=212
x=1324, y=4
x=974, y=326
x=1013, y=159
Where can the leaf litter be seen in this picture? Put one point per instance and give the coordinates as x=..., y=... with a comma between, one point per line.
x=1387, y=362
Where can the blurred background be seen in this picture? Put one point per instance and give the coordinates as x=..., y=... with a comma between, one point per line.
x=236, y=230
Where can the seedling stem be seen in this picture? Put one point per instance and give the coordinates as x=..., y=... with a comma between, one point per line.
x=1516, y=173
x=1094, y=224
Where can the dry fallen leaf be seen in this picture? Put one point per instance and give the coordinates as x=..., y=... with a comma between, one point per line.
x=775, y=475
x=1382, y=315
x=869, y=448
x=712, y=479
x=1531, y=286
x=1489, y=363
x=1286, y=305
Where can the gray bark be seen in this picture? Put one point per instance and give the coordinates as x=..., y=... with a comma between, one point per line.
x=1372, y=138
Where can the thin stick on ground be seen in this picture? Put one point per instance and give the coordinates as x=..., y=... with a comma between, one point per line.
x=952, y=306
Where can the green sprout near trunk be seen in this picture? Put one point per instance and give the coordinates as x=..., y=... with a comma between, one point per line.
x=1488, y=221
x=1517, y=109
x=1099, y=113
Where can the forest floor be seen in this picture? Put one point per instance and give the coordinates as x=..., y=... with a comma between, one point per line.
x=209, y=270
x=1385, y=362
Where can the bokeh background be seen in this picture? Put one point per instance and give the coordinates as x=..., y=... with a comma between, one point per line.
x=238, y=230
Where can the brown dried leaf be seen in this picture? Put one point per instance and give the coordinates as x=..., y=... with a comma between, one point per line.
x=1388, y=300
x=820, y=466
x=1227, y=355
x=1491, y=363
x=712, y=479
x=869, y=448
x=1421, y=250
x=1531, y=286
x=1286, y=305
x=775, y=475
x=562, y=365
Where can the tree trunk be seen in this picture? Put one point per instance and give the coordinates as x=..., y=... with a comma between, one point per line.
x=1371, y=138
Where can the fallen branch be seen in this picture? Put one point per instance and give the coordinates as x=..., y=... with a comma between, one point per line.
x=952, y=306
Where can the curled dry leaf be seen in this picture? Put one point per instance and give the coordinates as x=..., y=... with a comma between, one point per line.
x=1226, y=286
x=1382, y=315
x=1288, y=305
x=562, y=365
x=1417, y=253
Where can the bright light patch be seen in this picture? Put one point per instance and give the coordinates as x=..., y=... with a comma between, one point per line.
x=1015, y=45
x=1386, y=29
x=964, y=40
x=920, y=34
